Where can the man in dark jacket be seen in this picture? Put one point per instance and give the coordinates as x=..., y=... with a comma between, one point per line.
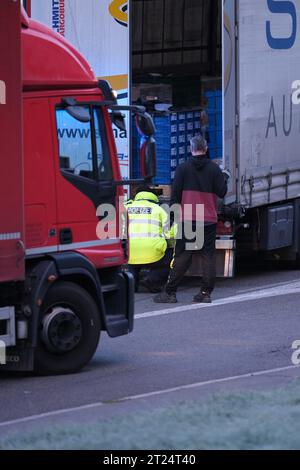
x=198, y=182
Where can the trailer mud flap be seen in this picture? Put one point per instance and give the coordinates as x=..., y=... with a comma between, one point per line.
x=119, y=305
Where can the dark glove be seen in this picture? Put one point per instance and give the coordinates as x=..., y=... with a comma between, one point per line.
x=227, y=174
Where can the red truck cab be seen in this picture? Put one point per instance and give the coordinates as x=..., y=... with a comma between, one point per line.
x=70, y=166
x=60, y=285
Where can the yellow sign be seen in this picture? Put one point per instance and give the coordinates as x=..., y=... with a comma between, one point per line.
x=119, y=11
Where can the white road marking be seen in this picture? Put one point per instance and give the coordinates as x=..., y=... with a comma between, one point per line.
x=50, y=414
x=269, y=286
x=207, y=382
x=290, y=288
x=145, y=395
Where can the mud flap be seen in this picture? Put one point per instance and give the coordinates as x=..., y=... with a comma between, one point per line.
x=119, y=305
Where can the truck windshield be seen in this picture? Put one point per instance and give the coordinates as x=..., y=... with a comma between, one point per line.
x=83, y=148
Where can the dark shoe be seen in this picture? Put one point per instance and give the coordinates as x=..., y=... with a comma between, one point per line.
x=149, y=286
x=165, y=298
x=202, y=297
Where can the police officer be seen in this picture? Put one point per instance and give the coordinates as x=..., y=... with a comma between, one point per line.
x=148, y=246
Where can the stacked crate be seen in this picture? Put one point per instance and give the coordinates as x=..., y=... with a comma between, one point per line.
x=167, y=142
x=214, y=111
x=173, y=133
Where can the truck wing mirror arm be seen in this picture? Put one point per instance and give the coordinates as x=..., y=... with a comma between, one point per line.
x=133, y=108
x=79, y=113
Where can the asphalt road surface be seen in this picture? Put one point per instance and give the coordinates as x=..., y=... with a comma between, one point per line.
x=177, y=352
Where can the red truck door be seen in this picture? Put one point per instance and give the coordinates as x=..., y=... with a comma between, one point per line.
x=11, y=171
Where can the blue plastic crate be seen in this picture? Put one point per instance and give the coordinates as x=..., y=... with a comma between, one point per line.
x=219, y=138
x=182, y=116
x=214, y=99
x=215, y=153
x=174, y=151
x=181, y=127
x=211, y=101
x=181, y=150
x=210, y=94
x=190, y=126
x=212, y=138
x=219, y=152
x=212, y=153
x=174, y=139
x=173, y=162
x=215, y=136
x=219, y=119
x=212, y=117
x=181, y=138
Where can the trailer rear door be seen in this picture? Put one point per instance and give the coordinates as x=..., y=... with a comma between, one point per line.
x=11, y=171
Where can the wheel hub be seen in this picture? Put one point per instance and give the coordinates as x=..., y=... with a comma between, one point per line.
x=62, y=330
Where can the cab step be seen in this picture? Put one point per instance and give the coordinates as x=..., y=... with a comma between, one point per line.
x=8, y=326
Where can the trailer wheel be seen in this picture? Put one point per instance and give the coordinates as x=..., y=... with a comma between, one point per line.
x=69, y=330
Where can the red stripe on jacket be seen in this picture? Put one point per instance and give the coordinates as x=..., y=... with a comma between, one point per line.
x=194, y=198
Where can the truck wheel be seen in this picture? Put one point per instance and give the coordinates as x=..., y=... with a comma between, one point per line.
x=69, y=330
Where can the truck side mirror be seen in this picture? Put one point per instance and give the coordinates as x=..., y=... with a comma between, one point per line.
x=148, y=158
x=118, y=119
x=108, y=93
x=145, y=124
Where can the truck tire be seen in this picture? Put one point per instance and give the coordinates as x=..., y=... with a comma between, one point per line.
x=69, y=330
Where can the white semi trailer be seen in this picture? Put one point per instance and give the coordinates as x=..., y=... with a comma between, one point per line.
x=261, y=52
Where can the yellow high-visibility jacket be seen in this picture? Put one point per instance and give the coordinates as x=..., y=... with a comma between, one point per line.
x=147, y=223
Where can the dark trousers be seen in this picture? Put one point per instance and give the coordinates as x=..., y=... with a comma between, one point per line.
x=158, y=272
x=183, y=258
